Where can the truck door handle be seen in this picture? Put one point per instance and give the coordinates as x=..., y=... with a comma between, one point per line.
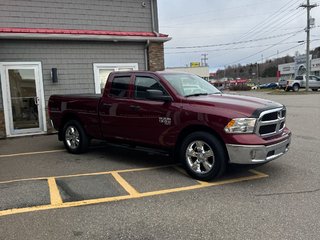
x=135, y=107
x=106, y=105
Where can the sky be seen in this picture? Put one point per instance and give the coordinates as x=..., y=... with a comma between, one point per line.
x=235, y=32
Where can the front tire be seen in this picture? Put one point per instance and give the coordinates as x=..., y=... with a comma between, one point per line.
x=295, y=87
x=203, y=156
x=75, y=138
x=315, y=89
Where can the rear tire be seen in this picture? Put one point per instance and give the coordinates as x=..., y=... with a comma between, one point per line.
x=74, y=137
x=314, y=89
x=203, y=156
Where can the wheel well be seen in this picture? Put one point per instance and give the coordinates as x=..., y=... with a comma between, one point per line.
x=196, y=128
x=67, y=117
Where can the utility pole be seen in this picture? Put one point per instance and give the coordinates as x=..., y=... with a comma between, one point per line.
x=204, y=59
x=308, y=7
x=258, y=82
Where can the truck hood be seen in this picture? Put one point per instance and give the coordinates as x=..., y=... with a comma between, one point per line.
x=243, y=105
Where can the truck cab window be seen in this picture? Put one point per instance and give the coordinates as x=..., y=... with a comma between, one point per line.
x=142, y=84
x=120, y=87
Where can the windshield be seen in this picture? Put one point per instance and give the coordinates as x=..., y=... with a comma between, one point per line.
x=190, y=85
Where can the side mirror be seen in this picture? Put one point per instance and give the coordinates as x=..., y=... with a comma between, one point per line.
x=154, y=94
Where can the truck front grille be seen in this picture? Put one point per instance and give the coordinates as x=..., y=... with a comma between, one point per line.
x=271, y=122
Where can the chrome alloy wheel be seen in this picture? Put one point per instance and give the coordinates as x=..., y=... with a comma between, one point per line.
x=72, y=137
x=200, y=157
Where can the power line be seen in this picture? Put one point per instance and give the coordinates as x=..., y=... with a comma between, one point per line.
x=284, y=22
x=207, y=37
x=290, y=48
x=239, y=60
x=270, y=55
x=231, y=49
x=233, y=43
x=244, y=47
x=267, y=19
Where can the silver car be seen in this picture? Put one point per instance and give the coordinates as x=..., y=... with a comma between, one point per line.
x=300, y=82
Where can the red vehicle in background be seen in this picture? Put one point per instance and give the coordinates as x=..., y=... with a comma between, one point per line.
x=238, y=81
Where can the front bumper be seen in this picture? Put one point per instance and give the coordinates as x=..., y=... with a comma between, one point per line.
x=254, y=154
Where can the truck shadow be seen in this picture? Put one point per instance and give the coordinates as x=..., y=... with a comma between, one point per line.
x=130, y=154
x=147, y=157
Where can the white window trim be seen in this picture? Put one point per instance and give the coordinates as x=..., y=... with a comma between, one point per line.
x=114, y=66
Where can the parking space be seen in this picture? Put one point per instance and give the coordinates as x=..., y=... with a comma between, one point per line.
x=24, y=194
x=44, y=193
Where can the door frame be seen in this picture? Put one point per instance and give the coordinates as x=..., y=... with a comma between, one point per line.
x=6, y=94
x=114, y=66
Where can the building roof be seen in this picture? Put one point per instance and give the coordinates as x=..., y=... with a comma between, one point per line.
x=79, y=34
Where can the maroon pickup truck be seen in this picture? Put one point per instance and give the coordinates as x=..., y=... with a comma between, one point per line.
x=179, y=112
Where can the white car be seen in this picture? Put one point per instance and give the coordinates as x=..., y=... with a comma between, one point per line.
x=300, y=82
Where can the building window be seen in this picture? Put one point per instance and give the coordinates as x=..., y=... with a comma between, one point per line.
x=102, y=71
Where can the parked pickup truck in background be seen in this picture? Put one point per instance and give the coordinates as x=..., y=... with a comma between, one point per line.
x=178, y=112
x=300, y=82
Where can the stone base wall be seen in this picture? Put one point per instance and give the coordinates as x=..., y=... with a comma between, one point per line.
x=156, y=57
x=2, y=126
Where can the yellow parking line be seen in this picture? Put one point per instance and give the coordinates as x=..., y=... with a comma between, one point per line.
x=55, y=197
x=132, y=196
x=125, y=184
x=89, y=174
x=181, y=170
x=202, y=185
x=30, y=153
x=258, y=173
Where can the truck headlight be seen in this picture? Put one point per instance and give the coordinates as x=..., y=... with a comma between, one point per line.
x=241, y=125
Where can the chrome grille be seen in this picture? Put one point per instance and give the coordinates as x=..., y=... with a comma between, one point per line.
x=271, y=122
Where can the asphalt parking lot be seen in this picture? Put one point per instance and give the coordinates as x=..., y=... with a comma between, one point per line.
x=117, y=193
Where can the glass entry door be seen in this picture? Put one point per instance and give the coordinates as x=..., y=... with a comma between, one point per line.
x=24, y=99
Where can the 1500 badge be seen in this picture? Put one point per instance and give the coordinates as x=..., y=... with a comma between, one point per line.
x=165, y=120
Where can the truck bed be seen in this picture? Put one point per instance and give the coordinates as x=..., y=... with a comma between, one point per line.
x=84, y=106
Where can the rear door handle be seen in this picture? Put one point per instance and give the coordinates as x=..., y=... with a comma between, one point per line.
x=135, y=107
x=106, y=105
